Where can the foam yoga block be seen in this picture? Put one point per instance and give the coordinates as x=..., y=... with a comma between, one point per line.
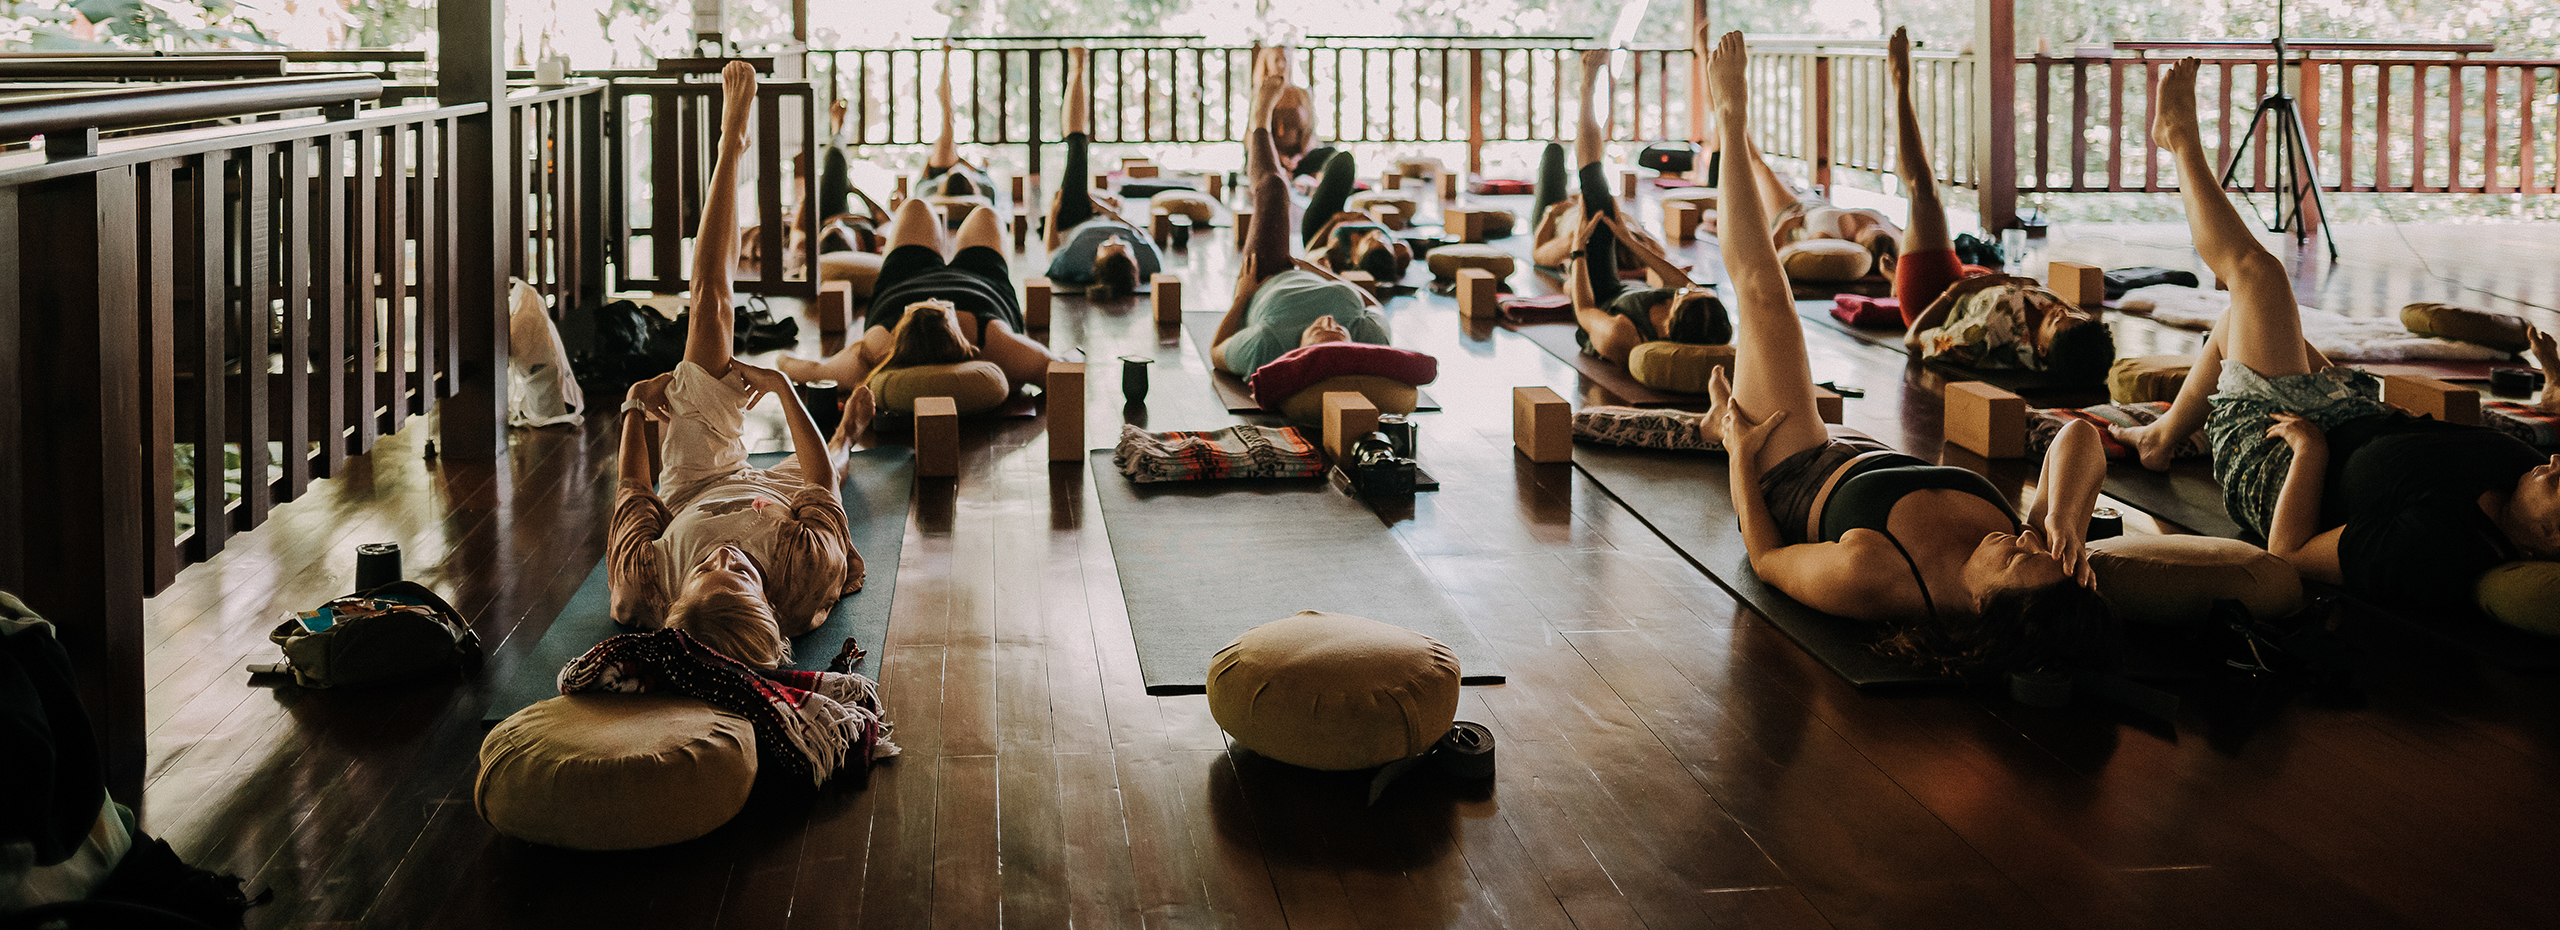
x=2428, y=397
x=1334, y=691
x=937, y=438
x=1244, y=227
x=1065, y=398
x=2078, y=284
x=1160, y=226
x=1680, y=220
x=1348, y=416
x=1036, y=293
x=1479, y=297
x=1541, y=424
x=1167, y=297
x=615, y=771
x=1986, y=420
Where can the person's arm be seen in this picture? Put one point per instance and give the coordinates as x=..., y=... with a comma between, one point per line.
x=1647, y=252
x=639, y=518
x=2074, y=470
x=2294, y=533
x=808, y=446
x=1829, y=576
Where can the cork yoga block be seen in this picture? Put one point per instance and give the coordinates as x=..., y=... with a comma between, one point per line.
x=937, y=437
x=1541, y=424
x=1986, y=420
x=1348, y=416
x=1065, y=397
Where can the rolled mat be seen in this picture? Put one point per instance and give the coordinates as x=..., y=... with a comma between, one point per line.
x=1232, y=390
x=879, y=485
x=1557, y=339
x=1201, y=562
x=1685, y=498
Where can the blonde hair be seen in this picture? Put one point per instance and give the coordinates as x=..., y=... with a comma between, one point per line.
x=739, y=626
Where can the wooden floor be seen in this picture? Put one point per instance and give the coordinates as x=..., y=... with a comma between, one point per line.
x=1668, y=759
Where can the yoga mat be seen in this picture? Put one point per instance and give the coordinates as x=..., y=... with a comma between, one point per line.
x=1203, y=561
x=2049, y=389
x=1232, y=391
x=1685, y=498
x=1557, y=339
x=878, y=486
x=2186, y=495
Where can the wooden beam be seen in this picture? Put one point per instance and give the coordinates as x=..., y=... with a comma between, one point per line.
x=471, y=36
x=1995, y=123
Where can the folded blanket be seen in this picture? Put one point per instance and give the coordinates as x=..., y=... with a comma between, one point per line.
x=813, y=723
x=1552, y=308
x=1234, y=452
x=2537, y=427
x=2340, y=338
x=1645, y=429
x=1867, y=312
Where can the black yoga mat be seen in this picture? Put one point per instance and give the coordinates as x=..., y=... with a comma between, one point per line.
x=1203, y=561
x=2049, y=389
x=2186, y=495
x=1232, y=390
x=1684, y=498
x=1557, y=339
x=878, y=487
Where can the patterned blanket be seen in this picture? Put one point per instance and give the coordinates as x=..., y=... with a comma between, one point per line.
x=2044, y=424
x=813, y=723
x=1234, y=452
x=1644, y=428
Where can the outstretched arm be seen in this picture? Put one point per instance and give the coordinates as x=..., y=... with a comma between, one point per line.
x=2074, y=469
x=715, y=242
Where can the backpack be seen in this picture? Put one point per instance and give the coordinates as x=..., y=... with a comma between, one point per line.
x=389, y=634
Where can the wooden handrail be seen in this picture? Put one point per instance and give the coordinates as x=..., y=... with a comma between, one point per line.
x=297, y=56
x=2325, y=45
x=125, y=68
x=126, y=108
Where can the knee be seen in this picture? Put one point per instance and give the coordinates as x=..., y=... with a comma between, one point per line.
x=2257, y=265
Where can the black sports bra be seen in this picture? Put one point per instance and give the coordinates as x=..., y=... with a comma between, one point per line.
x=1865, y=498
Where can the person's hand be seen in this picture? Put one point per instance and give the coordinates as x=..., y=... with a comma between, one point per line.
x=2297, y=433
x=2065, y=536
x=761, y=381
x=652, y=395
x=1743, y=438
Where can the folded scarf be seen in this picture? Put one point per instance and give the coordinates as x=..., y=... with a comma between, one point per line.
x=1234, y=452
x=813, y=723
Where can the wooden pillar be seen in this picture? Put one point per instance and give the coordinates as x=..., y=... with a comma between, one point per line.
x=71, y=505
x=1995, y=113
x=1475, y=114
x=472, y=68
x=1697, y=80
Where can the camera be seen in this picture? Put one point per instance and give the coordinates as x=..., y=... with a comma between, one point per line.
x=1377, y=469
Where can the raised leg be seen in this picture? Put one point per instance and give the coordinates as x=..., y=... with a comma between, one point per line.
x=1770, y=373
x=1267, y=240
x=946, y=152
x=1927, y=229
x=1074, y=202
x=715, y=242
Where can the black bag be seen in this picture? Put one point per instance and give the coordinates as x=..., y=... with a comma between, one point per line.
x=393, y=633
x=1669, y=157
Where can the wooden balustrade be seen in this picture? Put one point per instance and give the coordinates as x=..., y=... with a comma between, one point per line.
x=672, y=128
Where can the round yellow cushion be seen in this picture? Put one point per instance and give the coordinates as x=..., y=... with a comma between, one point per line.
x=1500, y=224
x=2524, y=595
x=615, y=771
x=974, y=386
x=2174, y=580
x=1825, y=260
x=1192, y=204
x=1387, y=394
x=1446, y=260
x=1333, y=691
x=859, y=269
x=1673, y=366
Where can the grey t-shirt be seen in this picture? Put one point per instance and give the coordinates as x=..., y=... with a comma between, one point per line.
x=1284, y=305
x=1073, y=262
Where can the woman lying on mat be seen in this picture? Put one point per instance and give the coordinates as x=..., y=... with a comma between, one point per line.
x=938, y=302
x=1357, y=241
x=1853, y=528
x=1615, y=317
x=1283, y=303
x=2349, y=490
x=1088, y=241
x=741, y=557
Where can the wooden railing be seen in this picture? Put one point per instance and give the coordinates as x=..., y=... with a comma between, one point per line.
x=2379, y=117
x=1832, y=106
x=663, y=143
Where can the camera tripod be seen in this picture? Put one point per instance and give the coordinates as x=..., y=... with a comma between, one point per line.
x=2296, y=178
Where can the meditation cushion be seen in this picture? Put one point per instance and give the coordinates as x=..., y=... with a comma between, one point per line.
x=1333, y=691
x=1387, y=394
x=1192, y=204
x=974, y=386
x=2174, y=580
x=2148, y=378
x=1499, y=224
x=2478, y=327
x=1446, y=260
x=1825, y=260
x=615, y=771
x=1363, y=201
x=2524, y=595
x=1281, y=378
x=859, y=269
x=1485, y=187
x=1673, y=366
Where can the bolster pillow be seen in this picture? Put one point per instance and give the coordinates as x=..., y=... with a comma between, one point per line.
x=974, y=386
x=1284, y=377
x=1825, y=260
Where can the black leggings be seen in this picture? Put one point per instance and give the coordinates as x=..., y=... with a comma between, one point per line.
x=1075, y=196
x=1333, y=192
x=1600, y=252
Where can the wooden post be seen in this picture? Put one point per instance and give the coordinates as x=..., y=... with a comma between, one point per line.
x=1475, y=112
x=471, y=38
x=834, y=307
x=1697, y=80
x=937, y=437
x=1065, y=394
x=1817, y=121
x=1995, y=121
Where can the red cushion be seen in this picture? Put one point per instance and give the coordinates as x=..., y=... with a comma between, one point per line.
x=1492, y=186
x=1872, y=312
x=1285, y=376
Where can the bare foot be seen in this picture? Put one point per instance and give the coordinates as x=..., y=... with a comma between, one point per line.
x=1719, y=403
x=2174, y=128
x=2150, y=442
x=1727, y=80
x=1897, y=54
x=2546, y=353
x=860, y=408
x=737, y=95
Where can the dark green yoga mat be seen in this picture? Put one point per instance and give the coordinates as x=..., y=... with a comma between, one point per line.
x=879, y=484
x=1232, y=390
x=1684, y=497
x=1203, y=561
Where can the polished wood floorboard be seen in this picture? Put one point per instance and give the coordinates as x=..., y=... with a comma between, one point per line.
x=1668, y=759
